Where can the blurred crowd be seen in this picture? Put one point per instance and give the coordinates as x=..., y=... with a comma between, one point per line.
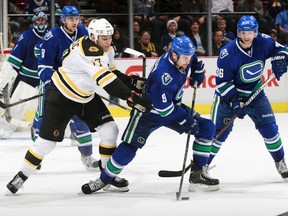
x=157, y=22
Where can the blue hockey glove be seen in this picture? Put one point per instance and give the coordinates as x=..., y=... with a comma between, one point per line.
x=279, y=64
x=237, y=109
x=189, y=123
x=197, y=73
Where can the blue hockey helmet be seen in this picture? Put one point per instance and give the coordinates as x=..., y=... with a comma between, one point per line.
x=43, y=25
x=247, y=23
x=182, y=45
x=69, y=10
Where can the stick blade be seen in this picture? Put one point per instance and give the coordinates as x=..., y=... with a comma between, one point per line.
x=134, y=52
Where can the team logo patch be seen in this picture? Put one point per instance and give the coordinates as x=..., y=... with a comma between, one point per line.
x=226, y=120
x=48, y=35
x=141, y=140
x=224, y=53
x=56, y=133
x=166, y=78
x=93, y=49
x=251, y=72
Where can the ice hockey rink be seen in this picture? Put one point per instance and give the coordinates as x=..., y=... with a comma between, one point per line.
x=250, y=183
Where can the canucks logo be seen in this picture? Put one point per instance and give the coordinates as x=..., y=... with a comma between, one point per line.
x=224, y=53
x=48, y=35
x=166, y=78
x=251, y=72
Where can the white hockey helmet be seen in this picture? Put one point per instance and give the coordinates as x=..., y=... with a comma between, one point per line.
x=100, y=27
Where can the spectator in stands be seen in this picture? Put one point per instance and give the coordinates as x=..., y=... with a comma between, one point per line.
x=219, y=6
x=274, y=34
x=228, y=35
x=218, y=42
x=275, y=6
x=38, y=5
x=172, y=7
x=16, y=23
x=136, y=31
x=281, y=23
x=198, y=38
x=119, y=42
x=147, y=47
x=195, y=6
x=167, y=38
x=85, y=21
x=143, y=9
x=254, y=6
x=63, y=3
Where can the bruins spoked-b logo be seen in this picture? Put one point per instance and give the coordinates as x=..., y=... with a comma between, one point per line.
x=56, y=133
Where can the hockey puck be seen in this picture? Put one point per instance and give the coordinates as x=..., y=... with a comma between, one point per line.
x=185, y=198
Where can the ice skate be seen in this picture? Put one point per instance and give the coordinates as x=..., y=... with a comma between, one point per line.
x=92, y=186
x=90, y=163
x=16, y=183
x=118, y=185
x=282, y=169
x=200, y=179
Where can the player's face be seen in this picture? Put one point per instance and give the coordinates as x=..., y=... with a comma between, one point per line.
x=246, y=37
x=183, y=61
x=71, y=23
x=104, y=42
x=40, y=21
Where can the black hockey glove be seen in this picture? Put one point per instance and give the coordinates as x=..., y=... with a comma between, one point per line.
x=279, y=64
x=189, y=124
x=139, y=103
x=197, y=73
x=138, y=83
x=235, y=104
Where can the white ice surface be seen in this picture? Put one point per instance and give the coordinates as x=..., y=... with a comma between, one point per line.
x=250, y=184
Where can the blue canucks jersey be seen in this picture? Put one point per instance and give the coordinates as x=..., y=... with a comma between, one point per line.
x=165, y=87
x=239, y=71
x=22, y=56
x=55, y=42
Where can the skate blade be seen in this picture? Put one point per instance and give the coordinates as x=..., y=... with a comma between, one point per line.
x=90, y=169
x=285, y=179
x=112, y=188
x=202, y=187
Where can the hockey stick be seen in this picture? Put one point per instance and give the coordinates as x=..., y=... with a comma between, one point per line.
x=7, y=113
x=7, y=106
x=178, y=194
x=115, y=103
x=138, y=54
x=169, y=173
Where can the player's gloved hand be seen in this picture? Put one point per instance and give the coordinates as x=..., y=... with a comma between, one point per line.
x=45, y=75
x=195, y=114
x=189, y=123
x=138, y=83
x=46, y=85
x=197, y=73
x=235, y=104
x=279, y=64
x=139, y=103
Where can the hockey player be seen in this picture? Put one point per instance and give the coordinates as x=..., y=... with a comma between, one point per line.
x=20, y=71
x=240, y=67
x=72, y=92
x=164, y=88
x=55, y=42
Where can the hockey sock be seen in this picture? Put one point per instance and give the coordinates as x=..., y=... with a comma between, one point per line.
x=83, y=136
x=201, y=151
x=123, y=155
